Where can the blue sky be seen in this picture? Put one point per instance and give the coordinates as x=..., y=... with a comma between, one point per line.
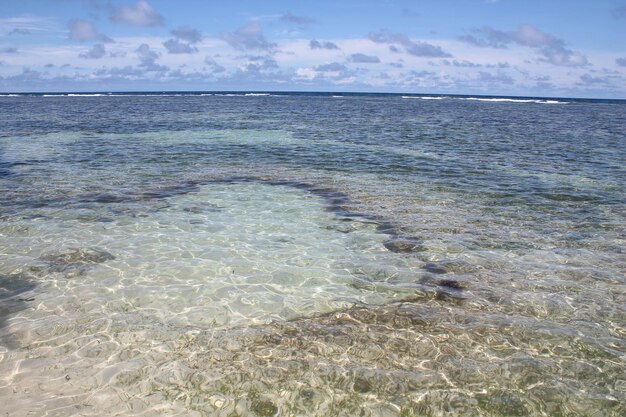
x=574, y=48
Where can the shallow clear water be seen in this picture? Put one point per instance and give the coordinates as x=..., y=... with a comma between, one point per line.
x=312, y=255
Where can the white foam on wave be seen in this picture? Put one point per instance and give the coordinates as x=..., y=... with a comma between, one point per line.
x=513, y=100
x=489, y=99
x=424, y=97
x=125, y=95
x=246, y=95
x=76, y=95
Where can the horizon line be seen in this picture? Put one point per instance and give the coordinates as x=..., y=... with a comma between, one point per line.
x=285, y=92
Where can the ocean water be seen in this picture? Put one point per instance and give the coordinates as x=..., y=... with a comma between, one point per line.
x=260, y=254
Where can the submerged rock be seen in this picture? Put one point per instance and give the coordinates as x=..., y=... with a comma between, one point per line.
x=104, y=198
x=450, y=267
x=404, y=245
x=502, y=403
x=75, y=262
x=450, y=290
x=362, y=385
x=434, y=268
x=264, y=408
x=71, y=256
x=13, y=299
x=449, y=296
x=14, y=284
x=451, y=283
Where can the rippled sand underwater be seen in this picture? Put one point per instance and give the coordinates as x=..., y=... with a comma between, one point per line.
x=283, y=261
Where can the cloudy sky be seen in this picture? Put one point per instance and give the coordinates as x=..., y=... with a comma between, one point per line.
x=571, y=48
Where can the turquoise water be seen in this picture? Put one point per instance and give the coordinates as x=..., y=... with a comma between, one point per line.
x=295, y=254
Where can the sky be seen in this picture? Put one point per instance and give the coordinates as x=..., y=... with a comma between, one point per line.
x=548, y=48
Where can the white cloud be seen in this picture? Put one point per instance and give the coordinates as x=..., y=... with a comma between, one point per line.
x=188, y=34
x=298, y=20
x=248, y=37
x=258, y=64
x=308, y=74
x=174, y=46
x=315, y=44
x=82, y=30
x=415, y=48
x=334, y=72
x=96, y=52
x=213, y=66
x=148, y=57
x=140, y=14
x=550, y=48
x=292, y=62
x=588, y=79
x=360, y=58
x=184, y=39
x=29, y=24
x=332, y=67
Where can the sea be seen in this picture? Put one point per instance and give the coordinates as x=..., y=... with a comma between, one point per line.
x=311, y=254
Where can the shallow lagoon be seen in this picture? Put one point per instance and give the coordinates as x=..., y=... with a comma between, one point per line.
x=311, y=255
